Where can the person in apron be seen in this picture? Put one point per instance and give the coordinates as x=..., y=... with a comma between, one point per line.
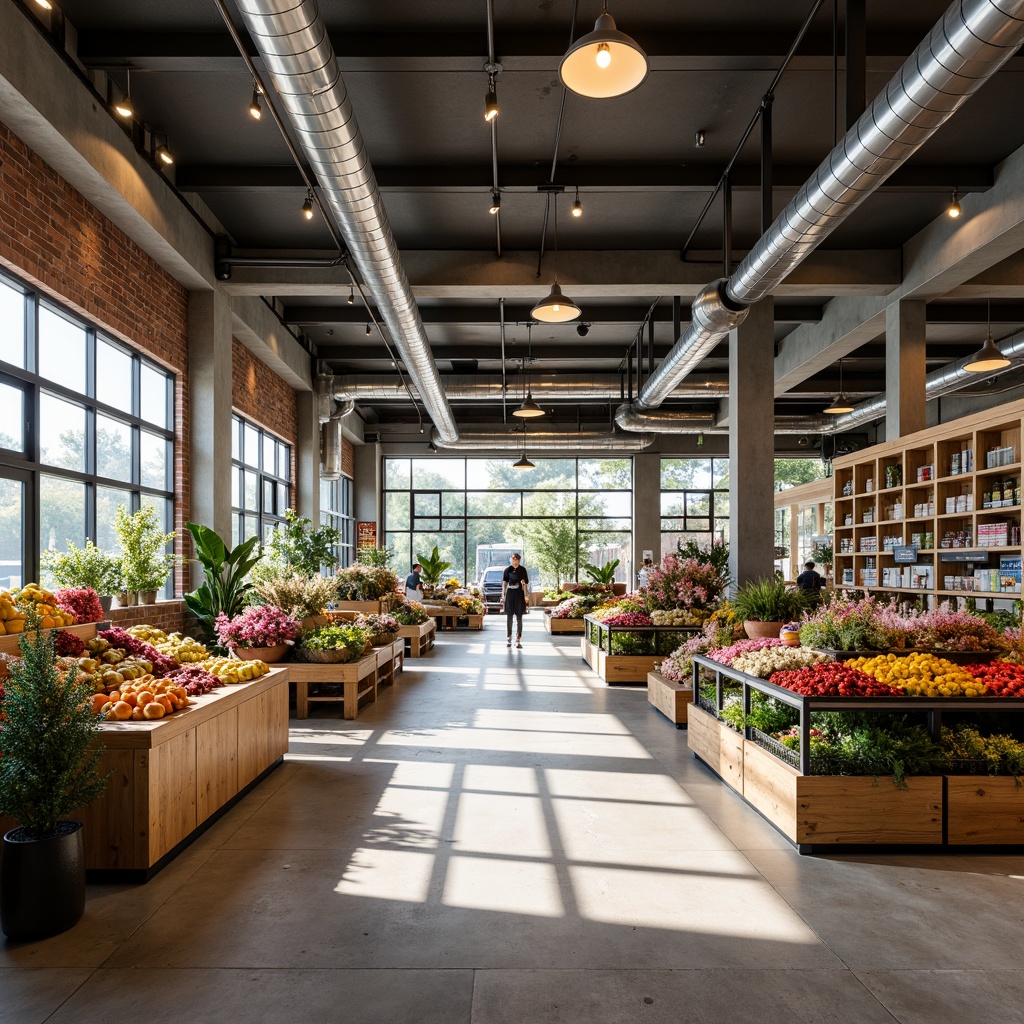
x=513, y=598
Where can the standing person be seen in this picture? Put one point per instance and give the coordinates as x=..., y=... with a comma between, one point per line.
x=810, y=582
x=513, y=598
x=641, y=576
x=414, y=584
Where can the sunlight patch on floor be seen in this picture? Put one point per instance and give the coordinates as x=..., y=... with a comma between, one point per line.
x=388, y=875
x=505, y=886
x=501, y=824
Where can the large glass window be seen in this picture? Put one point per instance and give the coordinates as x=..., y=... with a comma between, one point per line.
x=336, y=511
x=86, y=425
x=694, y=502
x=261, y=469
x=561, y=515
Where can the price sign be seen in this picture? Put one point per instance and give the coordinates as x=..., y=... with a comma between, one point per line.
x=963, y=556
x=905, y=553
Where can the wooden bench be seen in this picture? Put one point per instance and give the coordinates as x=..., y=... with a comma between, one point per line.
x=358, y=679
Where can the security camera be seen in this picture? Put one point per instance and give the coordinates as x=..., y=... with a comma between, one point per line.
x=583, y=330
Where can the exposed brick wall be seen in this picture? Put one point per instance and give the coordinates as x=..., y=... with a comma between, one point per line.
x=348, y=458
x=263, y=397
x=53, y=238
x=166, y=615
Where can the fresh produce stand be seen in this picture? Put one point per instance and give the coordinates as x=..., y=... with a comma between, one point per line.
x=818, y=812
x=600, y=640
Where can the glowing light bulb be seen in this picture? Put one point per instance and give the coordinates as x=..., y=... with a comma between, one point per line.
x=604, y=56
x=557, y=308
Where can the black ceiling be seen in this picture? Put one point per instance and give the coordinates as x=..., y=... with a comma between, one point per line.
x=415, y=75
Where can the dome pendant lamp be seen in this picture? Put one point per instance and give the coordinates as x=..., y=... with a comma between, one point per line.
x=523, y=463
x=988, y=358
x=604, y=63
x=840, y=404
x=555, y=308
x=529, y=409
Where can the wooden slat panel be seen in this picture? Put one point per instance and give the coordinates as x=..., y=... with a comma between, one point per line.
x=9, y=644
x=672, y=699
x=770, y=786
x=703, y=735
x=172, y=793
x=554, y=626
x=253, y=743
x=216, y=763
x=839, y=809
x=109, y=832
x=626, y=668
x=984, y=809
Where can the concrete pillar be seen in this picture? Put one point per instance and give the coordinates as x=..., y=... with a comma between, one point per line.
x=209, y=378
x=752, y=444
x=904, y=368
x=794, y=541
x=307, y=457
x=368, y=487
x=646, y=509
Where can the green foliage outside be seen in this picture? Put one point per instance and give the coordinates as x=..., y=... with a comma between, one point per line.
x=298, y=546
x=47, y=769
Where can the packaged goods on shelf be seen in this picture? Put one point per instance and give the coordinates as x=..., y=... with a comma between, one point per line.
x=998, y=535
x=869, y=484
x=923, y=509
x=893, y=476
x=888, y=543
x=921, y=577
x=925, y=539
x=960, y=503
x=892, y=576
x=925, y=473
x=848, y=519
x=956, y=539
x=869, y=544
x=848, y=578
x=847, y=488
x=999, y=456
x=868, y=516
x=1009, y=574
x=897, y=511
x=846, y=546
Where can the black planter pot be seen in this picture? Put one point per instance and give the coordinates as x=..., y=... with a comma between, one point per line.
x=42, y=883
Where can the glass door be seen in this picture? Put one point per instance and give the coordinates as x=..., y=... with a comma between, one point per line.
x=15, y=517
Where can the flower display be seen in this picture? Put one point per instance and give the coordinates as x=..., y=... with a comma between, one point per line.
x=1000, y=678
x=679, y=582
x=350, y=639
x=844, y=624
x=780, y=658
x=628, y=619
x=726, y=655
x=365, y=582
x=571, y=608
x=409, y=613
x=947, y=630
x=469, y=605
x=82, y=602
x=452, y=583
x=921, y=675
x=298, y=595
x=832, y=679
x=261, y=626
x=67, y=645
x=679, y=616
x=381, y=629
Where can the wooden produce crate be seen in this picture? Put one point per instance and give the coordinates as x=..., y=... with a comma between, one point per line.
x=418, y=639
x=619, y=669
x=449, y=617
x=389, y=661
x=171, y=776
x=561, y=626
x=358, y=679
x=672, y=699
x=380, y=607
x=983, y=810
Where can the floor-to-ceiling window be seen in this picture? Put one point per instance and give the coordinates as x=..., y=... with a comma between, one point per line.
x=694, y=502
x=336, y=511
x=563, y=514
x=261, y=470
x=86, y=425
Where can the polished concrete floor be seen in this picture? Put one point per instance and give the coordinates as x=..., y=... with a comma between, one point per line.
x=502, y=839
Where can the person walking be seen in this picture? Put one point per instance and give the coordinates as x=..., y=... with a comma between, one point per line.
x=414, y=584
x=513, y=598
x=810, y=582
x=641, y=576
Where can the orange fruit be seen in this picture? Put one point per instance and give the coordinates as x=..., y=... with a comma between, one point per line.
x=153, y=710
x=121, y=711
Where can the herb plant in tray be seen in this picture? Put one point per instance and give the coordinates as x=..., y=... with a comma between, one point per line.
x=334, y=643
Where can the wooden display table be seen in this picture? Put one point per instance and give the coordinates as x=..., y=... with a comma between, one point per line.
x=419, y=639
x=380, y=607
x=358, y=679
x=669, y=697
x=555, y=626
x=170, y=777
x=448, y=617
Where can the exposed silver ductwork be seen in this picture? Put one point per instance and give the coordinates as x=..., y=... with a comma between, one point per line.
x=293, y=42
x=330, y=449
x=668, y=421
x=939, y=382
x=540, y=440
x=463, y=387
x=969, y=45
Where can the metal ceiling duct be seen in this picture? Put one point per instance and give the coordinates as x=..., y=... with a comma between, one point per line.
x=966, y=47
x=668, y=421
x=943, y=381
x=330, y=449
x=293, y=42
x=564, y=387
x=536, y=441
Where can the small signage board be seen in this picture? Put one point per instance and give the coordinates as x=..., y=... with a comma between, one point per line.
x=905, y=553
x=959, y=555
x=366, y=535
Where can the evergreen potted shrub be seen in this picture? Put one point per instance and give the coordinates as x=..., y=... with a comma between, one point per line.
x=144, y=563
x=765, y=605
x=49, y=768
x=90, y=567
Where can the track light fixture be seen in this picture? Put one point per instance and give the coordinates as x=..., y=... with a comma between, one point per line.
x=369, y=330
x=45, y=4
x=163, y=154
x=432, y=448
x=840, y=403
x=988, y=357
x=307, y=206
x=491, y=110
x=577, y=206
x=605, y=62
x=495, y=206
x=351, y=294
x=124, y=108
x=255, y=110
x=954, y=211
x=583, y=330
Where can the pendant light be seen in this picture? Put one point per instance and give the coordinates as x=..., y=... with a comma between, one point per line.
x=988, y=357
x=840, y=403
x=953, y=211
x=604, y=63
x=529, y=409
x=124, y=107
x=555, y=308
x=523, y=463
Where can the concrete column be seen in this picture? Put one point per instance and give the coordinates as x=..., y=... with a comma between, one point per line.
x=752, y=444
x=646, y=509
x=368, y=487
x=209, y=378
x=794, y=541
x=307, y=457
x=904, y=368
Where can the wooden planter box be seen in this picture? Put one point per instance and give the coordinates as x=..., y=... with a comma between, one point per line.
x=619, y=669
x=559, y=626
x=172, y=775
x=983, y=810
x=449, y=617
x=380, y=607
x=418, y=639
x=672, y=699
x=389, y=661
x=820, y=810
x=358, y=679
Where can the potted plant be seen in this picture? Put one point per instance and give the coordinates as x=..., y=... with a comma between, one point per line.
x=144, y=562
x=85, y=567
x=433, y=567
x=226, y=570
x=49, y=768
x=764, y=605
x=304, y=598
x=334, y=644
x=297, y=548
x=260, y=633
x=605, y=576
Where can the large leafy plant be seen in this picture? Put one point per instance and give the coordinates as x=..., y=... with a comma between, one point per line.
x=604, y=574
x=298, y=547
x=767, y=600
x=49, y=766
x=433, y=567
x=84, y=567
x=226, y=572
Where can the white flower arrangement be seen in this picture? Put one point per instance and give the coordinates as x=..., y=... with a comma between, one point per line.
x=764, y=662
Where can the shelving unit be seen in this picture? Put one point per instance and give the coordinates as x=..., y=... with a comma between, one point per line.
x=952, y=493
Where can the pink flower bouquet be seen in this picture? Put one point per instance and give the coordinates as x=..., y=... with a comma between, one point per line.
x=261, y=626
